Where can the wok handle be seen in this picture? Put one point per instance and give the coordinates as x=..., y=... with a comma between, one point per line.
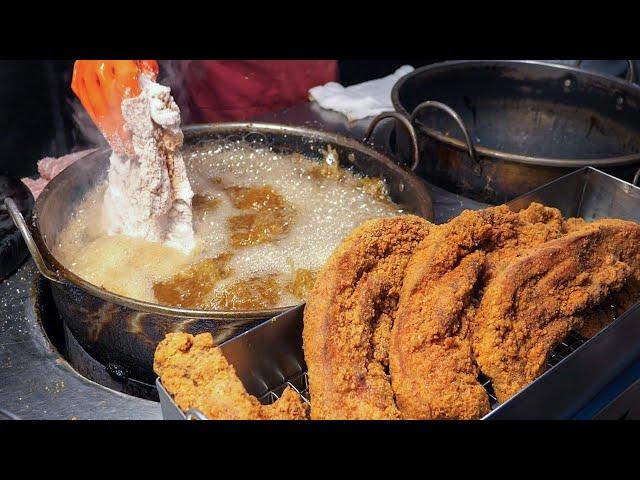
x=636, y=178
x=631, y=70
x=453, y=114
x=20, y=222
x=408, y=127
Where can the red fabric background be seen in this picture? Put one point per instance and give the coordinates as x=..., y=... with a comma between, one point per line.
x=229, y=90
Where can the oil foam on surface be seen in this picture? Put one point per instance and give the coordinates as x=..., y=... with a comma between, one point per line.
x=324, y=211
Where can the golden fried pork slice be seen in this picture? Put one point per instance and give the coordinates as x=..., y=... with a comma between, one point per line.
x=512, y=233
x=269, y=215
x=198, y=375
x=301, y=283
x=534, y=302
x=609, y=309
x=432, y=371
x=348, y=315
x=618, y=302
x=254, y=293
x=432, y=368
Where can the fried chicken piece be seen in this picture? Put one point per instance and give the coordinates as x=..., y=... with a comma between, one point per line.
x=348, y=319
x=198, y=375
x=432, y=369
x=534, y=302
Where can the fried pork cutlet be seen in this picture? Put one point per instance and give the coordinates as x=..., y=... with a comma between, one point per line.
x=536, y=300
x=611, y=308
x=433, y=374
x=432, y=368
x=618, y=302
x=512, y=233
x=348, y=320
x=198, y=375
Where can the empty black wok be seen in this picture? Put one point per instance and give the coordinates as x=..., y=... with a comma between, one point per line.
x=493, y=130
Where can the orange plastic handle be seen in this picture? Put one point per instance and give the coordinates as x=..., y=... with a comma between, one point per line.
x=101, y=85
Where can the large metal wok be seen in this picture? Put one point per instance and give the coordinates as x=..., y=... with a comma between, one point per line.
x=493, y=130
x=123, y=333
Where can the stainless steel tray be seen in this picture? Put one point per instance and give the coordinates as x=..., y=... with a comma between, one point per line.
x=269, y=357
x=563, y=390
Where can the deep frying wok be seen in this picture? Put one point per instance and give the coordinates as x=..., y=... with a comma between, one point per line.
x=122, y=332
x=493, y=130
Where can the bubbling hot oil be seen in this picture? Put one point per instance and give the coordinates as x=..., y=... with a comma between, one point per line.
x=264, y=223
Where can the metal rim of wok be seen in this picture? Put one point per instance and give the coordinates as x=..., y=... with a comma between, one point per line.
x=61, y=274
x=624, y=85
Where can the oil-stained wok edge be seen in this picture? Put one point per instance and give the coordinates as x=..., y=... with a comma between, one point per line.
x=631, y=70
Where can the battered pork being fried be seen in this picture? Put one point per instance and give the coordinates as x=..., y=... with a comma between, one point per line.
x=348, y=320
x=432, y=368
x=148, y=194
x=198, y=375
x=536, y=300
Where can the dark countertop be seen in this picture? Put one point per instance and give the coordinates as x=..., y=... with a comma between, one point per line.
x=36, y=382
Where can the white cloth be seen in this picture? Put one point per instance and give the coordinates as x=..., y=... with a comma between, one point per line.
x=362, y=100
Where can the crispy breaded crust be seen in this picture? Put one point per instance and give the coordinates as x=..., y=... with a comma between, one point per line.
x=533, y=303
x=198, y=375
x=433, y=372
x=348, y=319
x=628, y=234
